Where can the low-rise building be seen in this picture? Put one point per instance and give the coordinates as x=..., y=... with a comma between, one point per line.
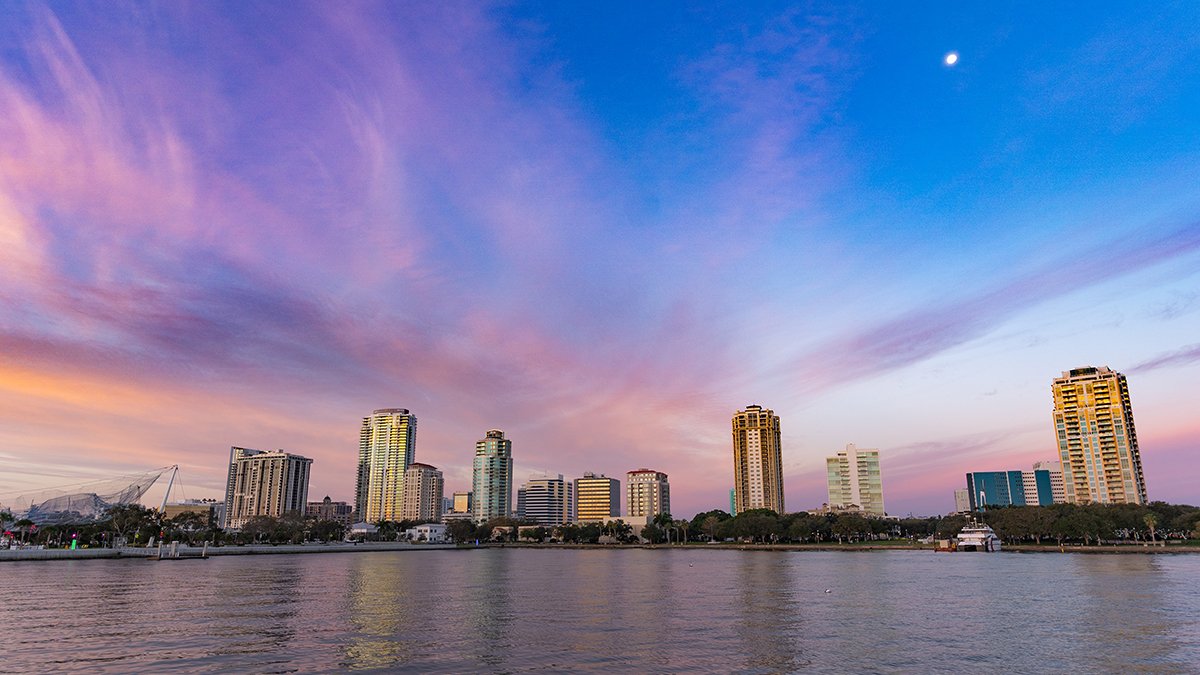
x=430, y=533
x=327, y=509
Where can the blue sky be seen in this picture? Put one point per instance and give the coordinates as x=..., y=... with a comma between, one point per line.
x=600, y=228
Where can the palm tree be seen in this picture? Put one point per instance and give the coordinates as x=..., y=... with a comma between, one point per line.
x=1151, y=521
x=23, y=525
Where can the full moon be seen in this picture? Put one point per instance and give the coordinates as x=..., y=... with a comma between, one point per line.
x=951, y=58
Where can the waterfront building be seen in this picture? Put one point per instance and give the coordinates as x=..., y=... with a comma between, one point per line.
x=386, y=447
x=547, y=500
x=1057, y=489
x=757, y=460
x=423, y=485
x=854, y=479
x=430, y=533
x=264, y=483
x=1096, y=438
x=327, y=509
x=492, y=477
x=962, y=500
x=597, y=498
x=647, y=494
x=732, y=502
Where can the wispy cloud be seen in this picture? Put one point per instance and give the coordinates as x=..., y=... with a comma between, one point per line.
x=921, y=333
x=1186, y=355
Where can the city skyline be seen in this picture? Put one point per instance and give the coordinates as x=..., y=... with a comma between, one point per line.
x=231, y=226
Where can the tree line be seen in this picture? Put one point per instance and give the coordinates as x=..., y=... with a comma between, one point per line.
x=136, y=525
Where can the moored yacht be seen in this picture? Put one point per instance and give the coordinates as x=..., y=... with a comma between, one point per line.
x=978, y=537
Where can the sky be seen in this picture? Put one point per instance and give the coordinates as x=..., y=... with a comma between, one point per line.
x=602, y=228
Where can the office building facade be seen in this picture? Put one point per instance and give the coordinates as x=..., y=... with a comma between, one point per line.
x=264, y=483
x=962, y=500
x=597, y=498
x=463, y=502
x=1096, y=438
x=757, y=460
x=854, y=479
x=1057, y=488
x=423, y=486
x=548, y=500
x=491, y=478
x=387, y=445
x=647, y=494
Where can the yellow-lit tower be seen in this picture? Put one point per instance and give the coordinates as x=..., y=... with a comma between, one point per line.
x=757, y=460
x=1097, y=442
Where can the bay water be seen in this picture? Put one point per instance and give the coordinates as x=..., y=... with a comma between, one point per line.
x=683, y=610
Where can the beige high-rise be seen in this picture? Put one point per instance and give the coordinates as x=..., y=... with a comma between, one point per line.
x=1097, y=442
x=423, y=486
x=757, y=460
x=647, y=493
x=264, y=483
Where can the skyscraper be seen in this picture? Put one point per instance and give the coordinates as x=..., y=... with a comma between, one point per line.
x=491, y=480
x=757, y=460
x=387, y=445
x=597, y=498
x=548, y=500
x=1097, y=442
x=264, y=483
x=854, y=479
x=423, y=487
x=647, y=494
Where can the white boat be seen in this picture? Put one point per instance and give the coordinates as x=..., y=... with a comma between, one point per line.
x=978, y=537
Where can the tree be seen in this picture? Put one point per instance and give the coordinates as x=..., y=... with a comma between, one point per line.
x=24, y=526
x=6, y=517
x=461, y=530
x=128, y=519
x=325, y=530
x=1151, y=522
x=652, y=533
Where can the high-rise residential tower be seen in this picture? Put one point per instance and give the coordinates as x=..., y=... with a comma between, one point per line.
x=855, y=480
x=548, y=500
x=387, y=445
x=423, y=485
x=757, y=460
x=597, y=498
x=491, y=480
x=1097, y=442
x=264, y=483
x=647, y=494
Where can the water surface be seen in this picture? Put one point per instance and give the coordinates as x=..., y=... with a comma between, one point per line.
x=513, y=610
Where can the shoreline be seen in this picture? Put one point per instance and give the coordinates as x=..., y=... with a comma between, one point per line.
x=193, y=553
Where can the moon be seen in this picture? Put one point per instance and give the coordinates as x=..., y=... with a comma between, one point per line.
x=951, y=58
